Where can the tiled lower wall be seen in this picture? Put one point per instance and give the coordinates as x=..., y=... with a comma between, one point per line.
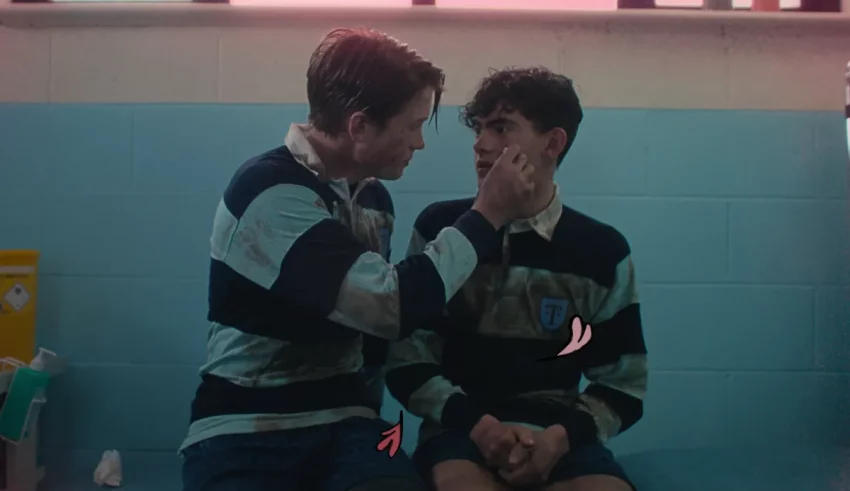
x=738, y=221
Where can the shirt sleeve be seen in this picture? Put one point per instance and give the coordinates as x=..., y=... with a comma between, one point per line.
x=375, y=349
x=414, y=378
x=288, y=242
x=615, y=364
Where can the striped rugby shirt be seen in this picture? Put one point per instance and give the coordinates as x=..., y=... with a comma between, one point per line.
x=483, y=356
x=296, y=283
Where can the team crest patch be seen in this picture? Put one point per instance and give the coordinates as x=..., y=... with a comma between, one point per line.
x=553, y=313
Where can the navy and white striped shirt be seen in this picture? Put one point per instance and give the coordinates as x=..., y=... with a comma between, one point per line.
x=516, y=310
x=295, y=283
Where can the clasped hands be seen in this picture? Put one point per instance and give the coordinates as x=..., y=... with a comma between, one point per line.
x=523, y=457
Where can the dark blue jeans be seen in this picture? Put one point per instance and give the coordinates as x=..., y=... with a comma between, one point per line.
x=335, y=457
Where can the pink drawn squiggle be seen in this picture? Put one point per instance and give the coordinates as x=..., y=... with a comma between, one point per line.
x=581, y=335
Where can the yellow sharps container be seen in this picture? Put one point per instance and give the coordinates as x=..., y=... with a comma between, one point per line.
x=18, y=286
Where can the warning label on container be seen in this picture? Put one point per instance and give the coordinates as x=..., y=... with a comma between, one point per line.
x=17, y=297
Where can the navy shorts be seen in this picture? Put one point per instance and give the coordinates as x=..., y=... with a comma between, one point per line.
x=334, y=457
x=450, y=445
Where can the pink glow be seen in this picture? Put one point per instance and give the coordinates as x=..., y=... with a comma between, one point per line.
x=529, y=4
x=738, y=4
x=679, y=3
x=326, y=3
x=491, y=4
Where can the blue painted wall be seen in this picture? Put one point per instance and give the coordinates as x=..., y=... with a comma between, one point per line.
x=738, y=221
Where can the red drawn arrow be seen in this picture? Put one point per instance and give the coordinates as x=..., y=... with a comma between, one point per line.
x=393, y=437
x=578, y=341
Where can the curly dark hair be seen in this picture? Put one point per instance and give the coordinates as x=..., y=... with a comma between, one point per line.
x=545, y=98
x=365, y=70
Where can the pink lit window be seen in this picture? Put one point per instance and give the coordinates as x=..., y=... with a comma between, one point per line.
x=530, y=4
x=738, y=4
x=327, y=3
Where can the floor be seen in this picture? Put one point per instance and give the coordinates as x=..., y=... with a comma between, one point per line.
x=754, y=469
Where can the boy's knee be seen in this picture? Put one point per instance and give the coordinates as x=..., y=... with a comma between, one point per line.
x=591, y=483
x=463, y=475
x=390, y=484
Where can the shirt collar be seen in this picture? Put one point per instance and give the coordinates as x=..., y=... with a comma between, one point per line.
x=297, y=143
x=543, y=223
x=304, y=153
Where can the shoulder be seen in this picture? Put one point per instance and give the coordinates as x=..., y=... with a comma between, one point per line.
x=376, y=195
x=439, y=215
x=274, y=172
x=591, y=242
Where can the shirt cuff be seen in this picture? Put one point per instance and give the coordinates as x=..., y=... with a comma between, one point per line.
x=581, y=429
x=478, y=231
x=461, y=414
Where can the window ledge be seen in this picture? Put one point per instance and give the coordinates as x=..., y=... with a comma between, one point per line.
x=136, y=14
